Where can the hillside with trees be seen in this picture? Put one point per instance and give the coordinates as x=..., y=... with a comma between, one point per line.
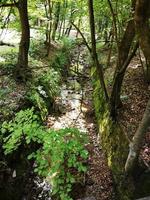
x=74, y=100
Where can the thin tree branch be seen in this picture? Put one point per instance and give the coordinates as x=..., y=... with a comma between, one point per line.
x=6, y=22
x=9, y=5
x=98, y=65
x=136, y=144
x=114, y=21
x=127, y=62
x=89, y=48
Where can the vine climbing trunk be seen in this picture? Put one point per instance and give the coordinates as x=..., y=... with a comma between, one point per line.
x=99, y=67
x=22, y=65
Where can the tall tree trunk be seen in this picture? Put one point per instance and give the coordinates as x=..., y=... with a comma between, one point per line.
x=123, y=55
x=124, y=49
x=79, y=24
x=22, y=65
x=56, y=20
x=62, y=20
x=60, y=28
x=99, y=67
x=69, y=26
x=142, y=14
x=48, y=11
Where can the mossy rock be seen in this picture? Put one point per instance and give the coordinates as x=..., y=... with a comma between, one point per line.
x=114, y=144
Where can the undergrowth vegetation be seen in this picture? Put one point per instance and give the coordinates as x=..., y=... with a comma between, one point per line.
x=43, y=90
x=47, y=74
x=61, y=155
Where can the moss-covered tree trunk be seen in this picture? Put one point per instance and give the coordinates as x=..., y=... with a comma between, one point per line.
x=114, y=143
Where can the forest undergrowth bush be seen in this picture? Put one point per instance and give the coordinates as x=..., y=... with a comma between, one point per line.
x=63, y=56
x=61, y=156
x=37, y=48
x=43, y=90
x=8, y=65
x=46, y=85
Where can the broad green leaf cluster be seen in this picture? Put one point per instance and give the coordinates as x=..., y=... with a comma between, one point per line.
x=61, y=155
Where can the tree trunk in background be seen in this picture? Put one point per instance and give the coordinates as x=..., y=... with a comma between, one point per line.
x=22, y=65
x=48, y=11
x=123, y=54
x=79, y=24
x=99, y=67
x=56, y=20
x=67, y=32
x=136, y=144
x=64, y=17
x=142, y=14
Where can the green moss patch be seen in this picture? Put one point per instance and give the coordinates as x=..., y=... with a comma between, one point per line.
x=114, y=144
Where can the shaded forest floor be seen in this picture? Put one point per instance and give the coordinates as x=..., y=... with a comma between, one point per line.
x=135, y=95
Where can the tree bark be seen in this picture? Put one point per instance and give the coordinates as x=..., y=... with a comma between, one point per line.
x=56, y=20
x=123, y=55
x=142, y=14
x=22, y=65
x=114, y=21
x=84, y=39
x=136, y=144
x=99, y=67
x=48, y=11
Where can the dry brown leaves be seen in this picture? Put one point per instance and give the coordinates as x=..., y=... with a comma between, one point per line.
x=137, y=92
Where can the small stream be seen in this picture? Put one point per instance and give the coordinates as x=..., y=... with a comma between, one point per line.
x=72, y=100
x=71, y=103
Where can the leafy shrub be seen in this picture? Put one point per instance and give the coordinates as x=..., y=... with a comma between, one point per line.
x=60, y=61
x=67, y=44
x=9, y=55
x=62, y=153
x=37, y=100
x=36, y=47
x=43, y=91
x=24, y=126
x=50, y=82
x=62, y=57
